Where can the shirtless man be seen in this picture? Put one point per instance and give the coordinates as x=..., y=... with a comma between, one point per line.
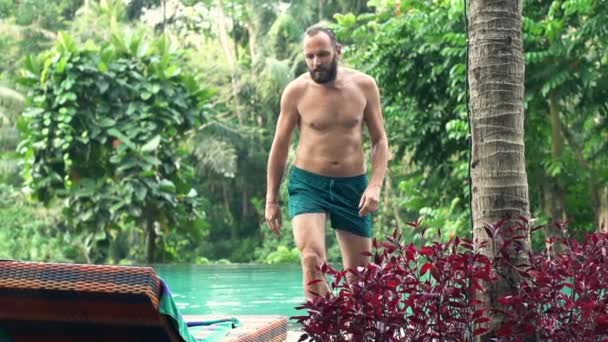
x=330, y=105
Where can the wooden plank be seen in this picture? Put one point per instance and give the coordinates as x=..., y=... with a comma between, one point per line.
x=265, y=328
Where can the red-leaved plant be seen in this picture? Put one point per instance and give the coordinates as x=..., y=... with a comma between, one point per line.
x=560, y=297
x=406, y=293
x=427, y=293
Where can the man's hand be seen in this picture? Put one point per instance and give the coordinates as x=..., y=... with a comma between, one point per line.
x=273, y=217
x=369, y=200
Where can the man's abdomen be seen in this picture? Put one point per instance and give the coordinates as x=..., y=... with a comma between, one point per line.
x=339, y=157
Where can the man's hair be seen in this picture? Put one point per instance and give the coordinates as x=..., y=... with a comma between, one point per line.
x=313, y=30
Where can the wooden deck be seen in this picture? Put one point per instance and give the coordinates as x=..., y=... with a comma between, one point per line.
x=255, y=328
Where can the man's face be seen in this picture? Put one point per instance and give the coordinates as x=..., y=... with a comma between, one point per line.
x=321, y=57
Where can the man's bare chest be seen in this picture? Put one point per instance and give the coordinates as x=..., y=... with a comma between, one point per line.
x=330, y=110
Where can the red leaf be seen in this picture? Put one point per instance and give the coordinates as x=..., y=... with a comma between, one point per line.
x=415, y=224
x=410, y=252
x=392, y=284
x=426, y=251
x=316, y=294
x=435, y=273
x=425, y=268
x=602, y=320
x=505, y=330
x=533, y=229
x=388, y=246
x=482, y=320
x=489, y=231
x=505, y=300
x=478, y=313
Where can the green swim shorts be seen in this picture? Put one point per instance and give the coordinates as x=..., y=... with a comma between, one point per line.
x=337, y=196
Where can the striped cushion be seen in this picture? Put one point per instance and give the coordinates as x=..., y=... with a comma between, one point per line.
x=80, y=300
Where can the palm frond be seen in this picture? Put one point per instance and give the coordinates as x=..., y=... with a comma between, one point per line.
x=11, y=99
x=9, y=170
x=9, y=138
x=216, y=155
x=275, y=76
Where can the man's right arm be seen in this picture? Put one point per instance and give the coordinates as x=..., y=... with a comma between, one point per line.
x=288, y=119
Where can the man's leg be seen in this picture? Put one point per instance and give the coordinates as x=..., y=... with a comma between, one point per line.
x=309, y=235
x=351, y=246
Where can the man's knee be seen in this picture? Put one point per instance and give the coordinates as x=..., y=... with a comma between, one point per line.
x=311, y=260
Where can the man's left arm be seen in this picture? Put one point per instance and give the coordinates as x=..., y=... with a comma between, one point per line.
x=375, y=126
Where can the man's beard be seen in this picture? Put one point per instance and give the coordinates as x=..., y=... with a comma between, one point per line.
x=323, y=75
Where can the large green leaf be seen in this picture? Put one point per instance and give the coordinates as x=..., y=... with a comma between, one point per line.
x=152, y=144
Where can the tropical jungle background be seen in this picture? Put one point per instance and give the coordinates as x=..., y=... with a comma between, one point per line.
x=137, y=131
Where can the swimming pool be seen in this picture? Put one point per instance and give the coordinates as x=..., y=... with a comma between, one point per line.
x=234, y=290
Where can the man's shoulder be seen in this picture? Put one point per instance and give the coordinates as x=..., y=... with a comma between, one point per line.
x=359, y=77
x=296, y=86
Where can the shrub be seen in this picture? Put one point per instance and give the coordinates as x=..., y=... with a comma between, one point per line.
x=29, y=231
x=406, y=293
x=103, y=131
x=283, y=255
x=561, y=297
x=427, y=293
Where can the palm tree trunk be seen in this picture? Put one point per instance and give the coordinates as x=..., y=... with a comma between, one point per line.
x=251, y=25
x=252, y=32
x=230, y=55
x=230, y=218
x=321, y=5
x=498, y=172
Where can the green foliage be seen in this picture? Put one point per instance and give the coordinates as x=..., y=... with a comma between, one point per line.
x=46, y=14
x=29, y=232
x=11, y=105
x=135, y=7
x=416, y=51
x=103, y=127
x=284, y=31
x=417, y=55
x=216, y=155
x=565, y=58
x=7, y=8
x=104, y=140
x=98, y=21
x=283, y=255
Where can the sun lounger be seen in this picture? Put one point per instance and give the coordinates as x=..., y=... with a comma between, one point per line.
x=70, y=302
x=73, y=302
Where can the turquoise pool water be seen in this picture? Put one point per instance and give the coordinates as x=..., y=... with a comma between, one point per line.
x=234, y=289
